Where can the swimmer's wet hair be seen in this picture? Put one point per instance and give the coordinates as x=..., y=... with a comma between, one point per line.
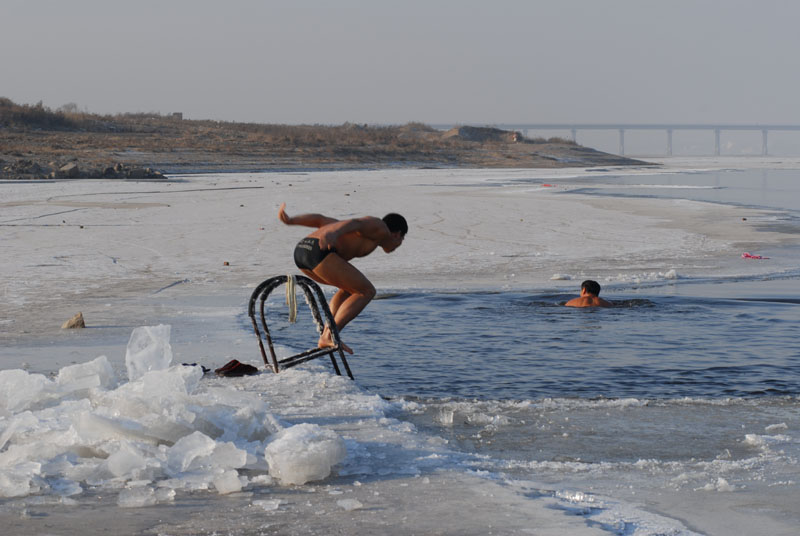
x=395, y=222
x=592, y=287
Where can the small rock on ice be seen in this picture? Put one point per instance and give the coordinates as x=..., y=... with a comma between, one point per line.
x=75, y=322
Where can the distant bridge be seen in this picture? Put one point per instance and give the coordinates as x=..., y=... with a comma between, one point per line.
x=573, y=128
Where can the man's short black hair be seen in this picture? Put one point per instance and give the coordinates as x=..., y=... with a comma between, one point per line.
x=592, y=287
x=395, y=222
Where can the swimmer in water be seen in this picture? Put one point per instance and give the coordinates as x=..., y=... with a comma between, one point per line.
x=589, y=296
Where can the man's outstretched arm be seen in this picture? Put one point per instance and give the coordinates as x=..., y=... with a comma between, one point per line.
x=307, y=220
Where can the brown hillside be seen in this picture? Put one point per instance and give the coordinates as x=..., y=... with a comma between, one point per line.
x=39, y=143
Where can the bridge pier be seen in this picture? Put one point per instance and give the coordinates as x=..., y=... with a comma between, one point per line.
x=669, y=142
x=669, y=128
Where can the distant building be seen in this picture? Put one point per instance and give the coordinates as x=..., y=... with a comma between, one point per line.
x=177, y=115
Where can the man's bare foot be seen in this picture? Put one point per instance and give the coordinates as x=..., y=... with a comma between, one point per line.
x=326, y=341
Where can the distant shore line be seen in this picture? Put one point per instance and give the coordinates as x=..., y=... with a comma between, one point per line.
x=37, y=143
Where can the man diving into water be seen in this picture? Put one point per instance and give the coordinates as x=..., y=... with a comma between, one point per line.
x=325, y=255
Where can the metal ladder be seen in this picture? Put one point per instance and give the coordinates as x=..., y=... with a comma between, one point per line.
x=315, y=300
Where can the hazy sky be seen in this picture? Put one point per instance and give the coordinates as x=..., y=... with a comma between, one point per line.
x=435, y=61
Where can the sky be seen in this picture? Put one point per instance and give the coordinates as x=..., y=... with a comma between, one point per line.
x=393, y=62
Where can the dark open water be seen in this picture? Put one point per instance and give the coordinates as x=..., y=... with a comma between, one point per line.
x=517, y=346
x=720, y=338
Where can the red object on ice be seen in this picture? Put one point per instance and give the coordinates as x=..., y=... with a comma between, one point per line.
x=548, y=185
x=749, y=256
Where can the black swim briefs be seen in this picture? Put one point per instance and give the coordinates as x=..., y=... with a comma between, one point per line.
x=308, y=255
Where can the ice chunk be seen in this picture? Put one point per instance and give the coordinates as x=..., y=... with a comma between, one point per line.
x=187, y=449
x=65, y=487
x=136, y=497
x=754, y=440
x=226, y=455
x=170, y=382
x=269, y=505
x=91, y=428
x=18, y=480
x=304, y=453
x=261, y=480
x=350, y=504
x=197, y=451
x=780, y=427
x=165, y=495
x=148, y=349
x=720, y=485
x=23, y=422
x=126, y=462
x=19, y=390
x=724, y=485
x=228, y=482
x=97, y=373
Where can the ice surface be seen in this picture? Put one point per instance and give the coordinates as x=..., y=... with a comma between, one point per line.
x=166, y=429
x=190, y=234
x=304, y=453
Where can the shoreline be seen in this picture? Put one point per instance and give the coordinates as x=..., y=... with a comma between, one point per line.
x=38, y=143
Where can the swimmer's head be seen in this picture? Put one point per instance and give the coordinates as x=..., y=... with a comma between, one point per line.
x=591, y=287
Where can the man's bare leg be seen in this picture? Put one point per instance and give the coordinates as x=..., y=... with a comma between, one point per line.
x=326, y=339
x=355, y=292
x=345, y=312
x=337, y=300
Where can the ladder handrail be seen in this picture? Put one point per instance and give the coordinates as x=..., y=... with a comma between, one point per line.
x=314, y=298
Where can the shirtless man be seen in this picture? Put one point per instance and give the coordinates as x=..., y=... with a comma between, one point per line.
x=324, y=256
x=589, y=296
